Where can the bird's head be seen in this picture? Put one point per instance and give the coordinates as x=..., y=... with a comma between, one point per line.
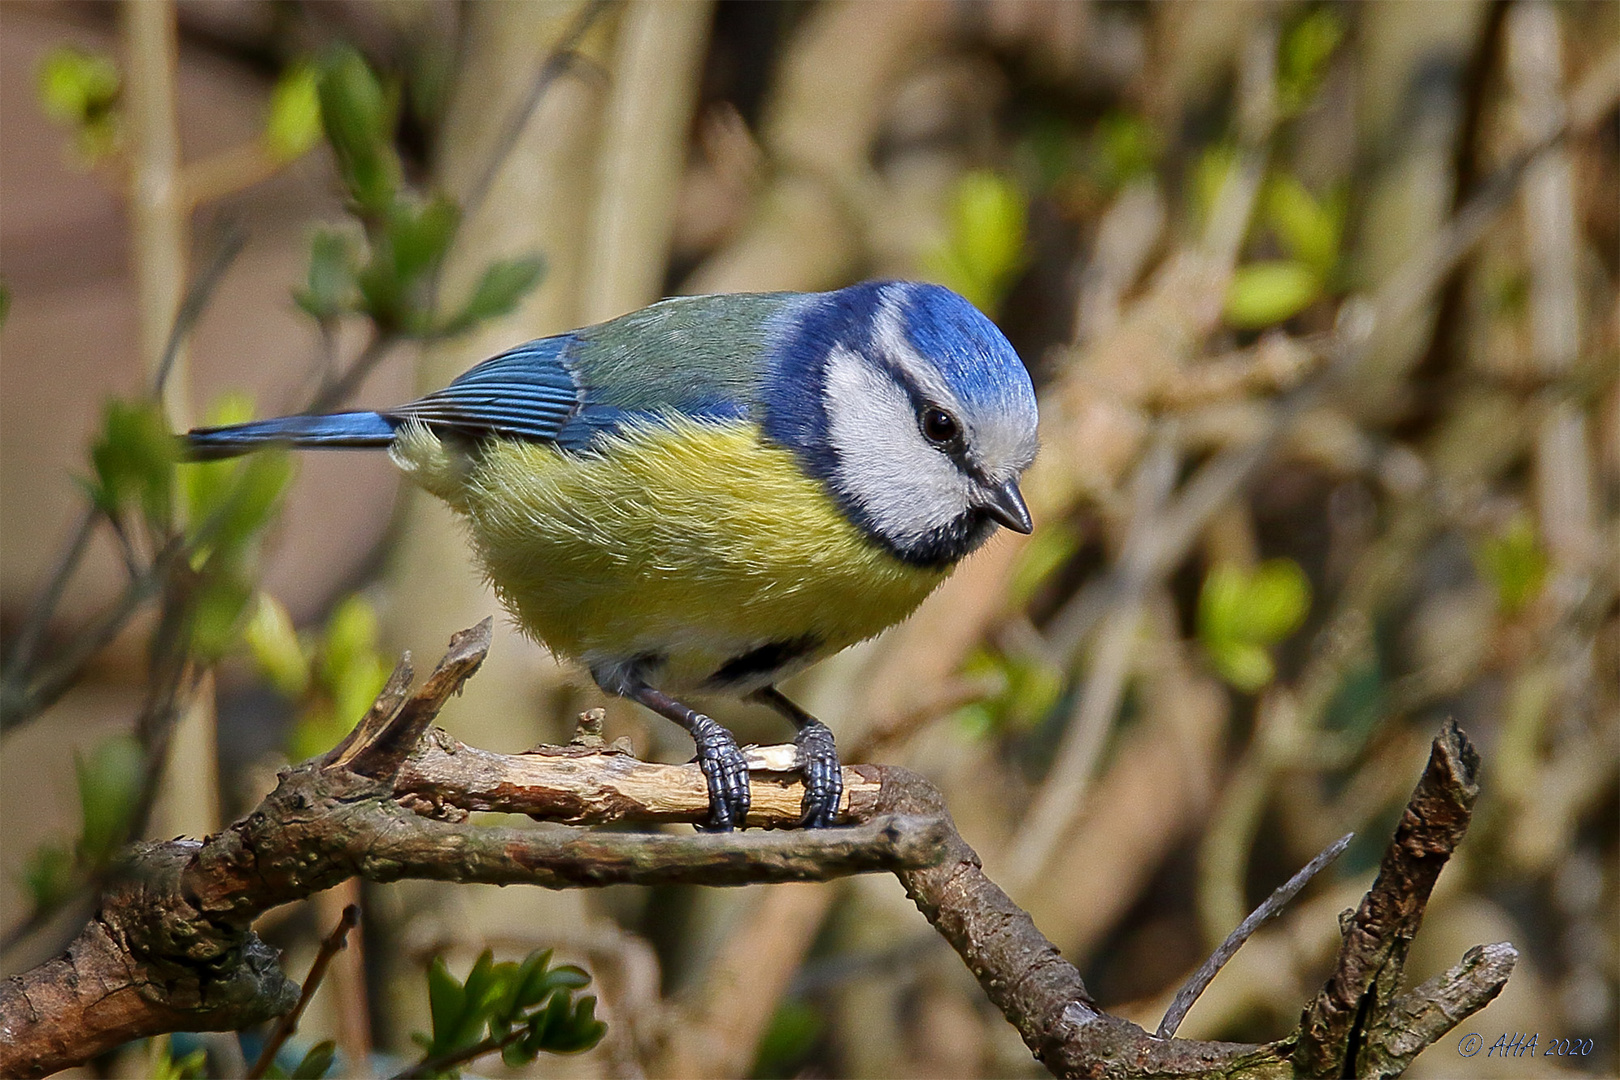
x=913, y=409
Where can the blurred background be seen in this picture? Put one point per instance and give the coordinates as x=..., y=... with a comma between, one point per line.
x=1323, y=465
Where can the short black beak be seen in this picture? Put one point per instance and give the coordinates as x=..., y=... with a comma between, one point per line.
x=1006, y=505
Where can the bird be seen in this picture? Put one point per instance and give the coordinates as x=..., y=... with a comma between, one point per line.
x=710, y=494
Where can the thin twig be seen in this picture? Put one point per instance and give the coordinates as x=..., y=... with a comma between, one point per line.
x=1270, y=909
x=335, y=943
x=196, y=300
x=23, y=702
x=433, y=1066
x=333, y=391
x=39, y=617
x=556, y=63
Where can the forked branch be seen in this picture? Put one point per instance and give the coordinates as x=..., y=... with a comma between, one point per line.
x=170, y=947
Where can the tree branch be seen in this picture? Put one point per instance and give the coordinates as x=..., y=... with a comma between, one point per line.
x=170, y=947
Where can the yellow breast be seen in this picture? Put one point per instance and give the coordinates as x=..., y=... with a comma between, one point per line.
x=689, y=542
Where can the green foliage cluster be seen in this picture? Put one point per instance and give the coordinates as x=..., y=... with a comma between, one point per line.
x=1021, y=691
x=333, y=676
x=165, y=1066
x=518, y=1009
x=390, y=275
x=314, y=1065
x=80, y=91
x=1308, y=228
x=110, y=779
x=1243, y=613
x=211, y=523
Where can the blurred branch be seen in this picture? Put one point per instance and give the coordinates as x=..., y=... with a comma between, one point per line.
x=25, y=695
x=657, y=67
x=561, y=57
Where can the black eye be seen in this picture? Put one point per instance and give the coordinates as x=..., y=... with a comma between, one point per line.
x=939, y=426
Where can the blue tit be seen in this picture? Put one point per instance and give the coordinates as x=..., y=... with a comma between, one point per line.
x=711, y=493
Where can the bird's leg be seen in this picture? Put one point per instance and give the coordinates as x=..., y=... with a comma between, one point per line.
x=718, y=755
x=818, y=760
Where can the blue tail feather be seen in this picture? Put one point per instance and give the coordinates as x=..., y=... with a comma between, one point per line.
x=337, y=431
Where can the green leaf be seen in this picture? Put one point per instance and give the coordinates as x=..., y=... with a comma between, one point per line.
x=1209, y=175
x=194, y=1066
x=1303, y=55
x=447, y=1005
x=276, y=649
x=420, y=236
x=1247, y=666
x=80, y=90
x=503, y=284
x=247, y=507
x=134, y=458
x=1276, y=600
x=533, y=983
x=1265, y=293
x=315, y=1064
x=479, y=994
x=75, y=85
x=1514, y=563
x=581, y=1031
x=351, y=633
x=330, y=289
x=1241, y=614
x=294, y=124
x=1047, y=550
x=1124, y=146
x=220, y=606
x=50, y=875
x=787, y=1041
x=110, y=782
x=1312, y=230
x=5, y=302
x=984, y=250
x=517, y=1053
x=358, y=117
x=207, y=484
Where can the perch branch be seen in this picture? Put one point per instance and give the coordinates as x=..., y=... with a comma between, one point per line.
x=170, y=947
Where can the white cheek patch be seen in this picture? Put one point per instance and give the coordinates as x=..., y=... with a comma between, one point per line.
x=906, y=487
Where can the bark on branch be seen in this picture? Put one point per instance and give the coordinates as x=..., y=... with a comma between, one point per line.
x=170, y=947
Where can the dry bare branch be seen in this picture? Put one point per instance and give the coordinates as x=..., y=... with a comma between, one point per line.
x=170, y=947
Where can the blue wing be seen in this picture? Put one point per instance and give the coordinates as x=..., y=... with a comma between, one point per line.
x=696, y=357
x=529, y=392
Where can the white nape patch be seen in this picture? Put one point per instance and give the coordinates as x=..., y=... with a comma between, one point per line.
x=905, y=485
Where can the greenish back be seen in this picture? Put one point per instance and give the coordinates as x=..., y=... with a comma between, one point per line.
x=688, y=353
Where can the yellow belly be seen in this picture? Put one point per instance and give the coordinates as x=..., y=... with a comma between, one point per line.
x=691, y=543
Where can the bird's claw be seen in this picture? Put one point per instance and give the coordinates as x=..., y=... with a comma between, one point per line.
x=823, y=775
x=726, y=771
